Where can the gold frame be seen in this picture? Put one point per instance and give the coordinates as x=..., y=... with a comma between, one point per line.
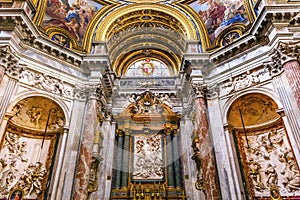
x=15, y=190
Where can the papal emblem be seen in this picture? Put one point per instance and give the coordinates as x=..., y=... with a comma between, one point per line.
x=147, y=68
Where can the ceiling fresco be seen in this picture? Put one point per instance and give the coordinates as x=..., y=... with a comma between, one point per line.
x=63, y=21
x=217, y=15
x=71, y=15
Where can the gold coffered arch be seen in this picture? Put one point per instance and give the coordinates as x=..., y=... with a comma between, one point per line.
x=103, y=28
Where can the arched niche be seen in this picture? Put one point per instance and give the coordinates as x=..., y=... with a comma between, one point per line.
x=263, y=149
x=28, y=146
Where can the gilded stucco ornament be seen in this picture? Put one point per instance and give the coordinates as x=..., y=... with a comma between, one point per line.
x=32, y=178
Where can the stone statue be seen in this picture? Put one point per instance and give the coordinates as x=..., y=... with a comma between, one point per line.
x=255, y=168
x=291, y=176
x=272, y=176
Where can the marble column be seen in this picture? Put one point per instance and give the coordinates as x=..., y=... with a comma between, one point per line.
x=205, y=146
x=292, y=121
x=292, y=72
x=6, y=98
x=86, y=148
x=126, y=157
x=169, y=159
x=59, y=165
x=119, y=159
x=176, y=157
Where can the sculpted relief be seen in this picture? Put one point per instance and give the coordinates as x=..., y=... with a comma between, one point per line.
x=148, y=163
x=45, y=82
x=25, y=153
x=23, y=164
x=270, y=162
x=33, y=112
x=267, y=157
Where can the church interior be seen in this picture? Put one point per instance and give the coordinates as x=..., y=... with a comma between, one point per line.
x=149, y=99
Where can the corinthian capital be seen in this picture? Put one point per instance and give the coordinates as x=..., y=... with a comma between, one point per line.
x=10, y=63
x=275, y=65
x=95, y=91
x=289, y=50
x=200, y=89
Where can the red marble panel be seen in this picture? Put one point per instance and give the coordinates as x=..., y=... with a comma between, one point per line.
x=85, y=157
x=207, y=158
x=292, y=71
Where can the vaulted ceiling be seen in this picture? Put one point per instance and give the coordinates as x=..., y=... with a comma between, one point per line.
x=135, y=29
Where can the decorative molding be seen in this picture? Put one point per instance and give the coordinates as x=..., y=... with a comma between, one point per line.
x=80, y=93
x=46, y=83
x=285, y=52
x=147, y=83
x=275, y=66
x=149, y=103
x=243, y=81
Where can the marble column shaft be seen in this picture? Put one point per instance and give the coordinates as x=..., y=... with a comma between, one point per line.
x=169, y=158
x=176, y=157
x=207, y=157
x=126, y=157
x=292, y=71
x=119, y=160
x=86, y=149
